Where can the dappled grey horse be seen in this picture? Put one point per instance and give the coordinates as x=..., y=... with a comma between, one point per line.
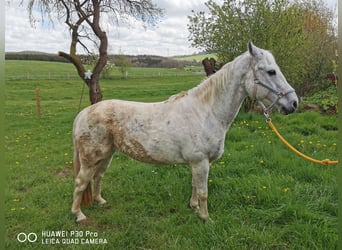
x=189, y=127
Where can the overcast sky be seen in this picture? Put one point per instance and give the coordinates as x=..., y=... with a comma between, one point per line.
x=168, y=38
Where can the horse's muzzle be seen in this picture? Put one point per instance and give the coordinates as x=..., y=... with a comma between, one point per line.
x=285, y=110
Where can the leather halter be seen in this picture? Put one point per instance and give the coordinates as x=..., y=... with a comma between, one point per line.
x=279, y=93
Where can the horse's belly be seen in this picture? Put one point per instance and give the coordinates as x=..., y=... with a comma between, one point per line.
x=136, y=151
x=149, y=150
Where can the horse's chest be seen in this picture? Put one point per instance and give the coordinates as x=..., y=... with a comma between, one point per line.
x=216, y=150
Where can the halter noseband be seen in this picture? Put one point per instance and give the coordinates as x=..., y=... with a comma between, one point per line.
x=279, y=93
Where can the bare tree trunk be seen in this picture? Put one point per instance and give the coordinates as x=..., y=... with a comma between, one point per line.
x=95, y=93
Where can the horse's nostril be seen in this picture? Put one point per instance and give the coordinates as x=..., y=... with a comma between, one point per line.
x=295, y=104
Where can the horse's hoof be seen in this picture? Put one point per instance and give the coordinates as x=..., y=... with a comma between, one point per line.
x=101, y=201
x=81, y=218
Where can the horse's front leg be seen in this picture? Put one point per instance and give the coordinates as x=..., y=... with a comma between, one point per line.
x=199, y=197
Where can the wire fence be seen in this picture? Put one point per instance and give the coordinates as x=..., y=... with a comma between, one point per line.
x=73, y=76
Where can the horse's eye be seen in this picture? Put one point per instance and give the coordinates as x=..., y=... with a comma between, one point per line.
x=271, y=72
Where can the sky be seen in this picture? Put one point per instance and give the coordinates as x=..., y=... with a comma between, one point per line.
x=168, y=38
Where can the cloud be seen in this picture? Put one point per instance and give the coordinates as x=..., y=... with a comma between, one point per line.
x=168, y=38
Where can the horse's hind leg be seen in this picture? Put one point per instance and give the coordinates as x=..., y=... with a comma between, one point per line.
x=101, y=168
x=81, y=182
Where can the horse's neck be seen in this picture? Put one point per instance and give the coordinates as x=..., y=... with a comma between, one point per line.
x=223, y=92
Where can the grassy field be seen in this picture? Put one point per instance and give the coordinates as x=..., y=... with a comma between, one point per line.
x=197, y=58
x=261, y=195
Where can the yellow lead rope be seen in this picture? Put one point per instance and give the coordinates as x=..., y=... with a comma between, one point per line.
x=324, y=162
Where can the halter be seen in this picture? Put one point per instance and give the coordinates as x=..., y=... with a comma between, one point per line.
x=279, y=93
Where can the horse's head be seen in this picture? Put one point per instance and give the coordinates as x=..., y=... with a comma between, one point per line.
x=268, y=84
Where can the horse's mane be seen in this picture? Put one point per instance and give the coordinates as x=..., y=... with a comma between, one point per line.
x=211, y=87
x=207, y=90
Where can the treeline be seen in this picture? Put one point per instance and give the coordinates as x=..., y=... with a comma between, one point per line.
x=302, y=36
x=34, y=56
x=148, y=61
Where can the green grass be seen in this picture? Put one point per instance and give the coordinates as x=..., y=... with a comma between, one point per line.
x=197, y=58
x=261, y=195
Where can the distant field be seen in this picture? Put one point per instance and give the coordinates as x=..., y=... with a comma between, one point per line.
x=197, y=58
x=261, y=195
x=27, y=70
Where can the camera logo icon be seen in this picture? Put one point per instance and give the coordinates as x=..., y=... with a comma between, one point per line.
x=30, y=237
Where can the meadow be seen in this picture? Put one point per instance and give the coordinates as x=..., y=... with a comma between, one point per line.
x=261, y=195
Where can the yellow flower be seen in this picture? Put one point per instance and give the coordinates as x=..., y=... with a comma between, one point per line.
x=286, y=189
x=262, y=162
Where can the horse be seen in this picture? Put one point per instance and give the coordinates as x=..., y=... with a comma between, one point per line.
x=188, y=128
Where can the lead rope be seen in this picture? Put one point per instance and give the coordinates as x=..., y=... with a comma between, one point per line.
x=323, y=162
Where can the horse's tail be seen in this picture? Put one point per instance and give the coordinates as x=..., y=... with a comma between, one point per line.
x=87, y=197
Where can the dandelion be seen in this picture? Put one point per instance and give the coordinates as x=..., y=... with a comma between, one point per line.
x=286, y=189
x=16, y=200
x=310, y=142
x=65, y=154
x=264, y=187
x=210, y=180
x=334, y=144
x=17, y=163
x=221, y=162
x=262, y=162
x=22, y=208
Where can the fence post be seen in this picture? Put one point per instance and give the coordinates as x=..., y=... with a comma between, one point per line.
x=39, y=114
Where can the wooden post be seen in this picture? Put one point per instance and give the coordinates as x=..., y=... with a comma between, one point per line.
x=39, y=114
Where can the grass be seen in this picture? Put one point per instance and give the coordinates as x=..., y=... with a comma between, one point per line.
x=197, y=58
x=261, y=195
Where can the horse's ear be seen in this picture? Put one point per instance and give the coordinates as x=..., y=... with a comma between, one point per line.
x=251, y=48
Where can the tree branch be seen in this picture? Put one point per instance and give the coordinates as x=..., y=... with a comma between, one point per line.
x=77, y=63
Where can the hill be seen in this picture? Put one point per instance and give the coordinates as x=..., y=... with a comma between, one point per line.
x=149, y=61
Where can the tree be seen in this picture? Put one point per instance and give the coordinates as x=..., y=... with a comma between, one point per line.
x=83, y=17
x=300, y=33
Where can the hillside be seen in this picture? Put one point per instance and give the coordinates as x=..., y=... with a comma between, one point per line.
x=148, y=61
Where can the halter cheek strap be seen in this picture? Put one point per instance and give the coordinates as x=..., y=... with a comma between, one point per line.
x=279, y=93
